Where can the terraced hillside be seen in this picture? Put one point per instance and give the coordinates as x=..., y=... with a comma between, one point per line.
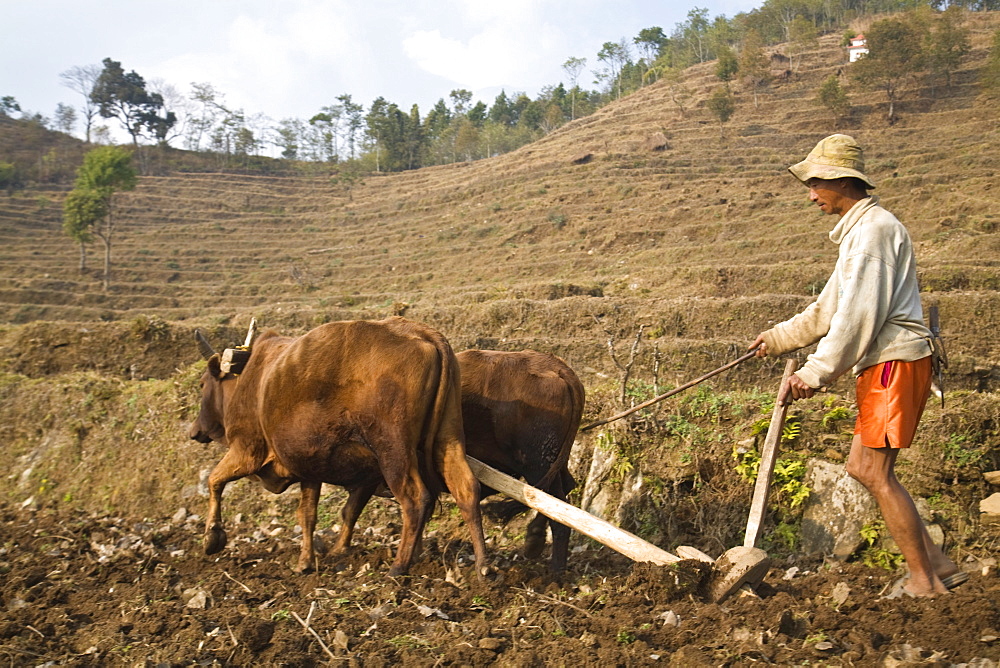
x=640, y=243
x=636, y=214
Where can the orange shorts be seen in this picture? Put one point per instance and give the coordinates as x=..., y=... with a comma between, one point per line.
x=891, y=398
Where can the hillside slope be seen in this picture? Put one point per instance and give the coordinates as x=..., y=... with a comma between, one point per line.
x=705, y=238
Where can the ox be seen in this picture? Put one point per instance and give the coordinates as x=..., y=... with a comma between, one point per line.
x=356, y=404
x=521, y=412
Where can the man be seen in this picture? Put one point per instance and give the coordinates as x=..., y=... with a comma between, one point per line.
x=868, y=317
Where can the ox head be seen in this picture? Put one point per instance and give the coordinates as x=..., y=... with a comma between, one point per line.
x=210, y=424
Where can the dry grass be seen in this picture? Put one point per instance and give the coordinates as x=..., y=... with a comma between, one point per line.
x=706, y=240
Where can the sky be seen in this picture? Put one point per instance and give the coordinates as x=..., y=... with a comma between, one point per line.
x=290, y=58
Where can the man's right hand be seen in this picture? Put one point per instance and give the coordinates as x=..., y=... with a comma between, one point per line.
x=794, y=388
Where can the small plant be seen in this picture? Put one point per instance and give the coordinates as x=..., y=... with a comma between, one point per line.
x=480, y=603
x=878, y=557
x=281, y=616
x=835, y=415
x=557, y=219
x=961, y=452
x=625, y=637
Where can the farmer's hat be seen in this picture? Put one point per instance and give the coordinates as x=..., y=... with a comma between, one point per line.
x=835, y=157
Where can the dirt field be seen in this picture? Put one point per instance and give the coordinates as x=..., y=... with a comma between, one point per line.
x=86, y=590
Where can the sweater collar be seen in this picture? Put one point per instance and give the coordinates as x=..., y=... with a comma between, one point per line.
x=847, y=222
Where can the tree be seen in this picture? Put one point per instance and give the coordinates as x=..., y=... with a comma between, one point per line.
x=81, y=79
x=65, y=118
x=8, y=105
x=82, y=211
x=833, y=97
x=353, y=120
x=754, y=66
x=573, y=68
x=948, y=43
x=124, y=97
x=894, y=54
x=89, y=208
x=615, y=55
x=695, y=34
x=802, y=35
x=727, y=65
x=722, y=104
x=460, y=99
x=649, y=41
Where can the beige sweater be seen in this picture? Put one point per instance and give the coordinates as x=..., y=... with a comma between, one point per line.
x=869, y=311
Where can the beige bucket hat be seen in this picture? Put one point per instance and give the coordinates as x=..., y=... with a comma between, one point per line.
x=834, y=157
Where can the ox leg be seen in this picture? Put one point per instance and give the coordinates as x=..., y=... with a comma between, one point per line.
x=231, y=467
x=560, y=532
x=357, y=499
x=534, y=536
x=414, y=499
x=464, y=487
x=308, y=503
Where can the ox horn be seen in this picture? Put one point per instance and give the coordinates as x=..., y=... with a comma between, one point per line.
x=203, y=345
x=251, y=333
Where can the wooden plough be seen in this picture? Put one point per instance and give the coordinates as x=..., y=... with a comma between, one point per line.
x=739, y=567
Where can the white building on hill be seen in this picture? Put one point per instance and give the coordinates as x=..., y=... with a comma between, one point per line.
x=858, y=48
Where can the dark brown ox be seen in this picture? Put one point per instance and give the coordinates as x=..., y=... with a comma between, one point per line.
x=521, y=412
x=352, y=404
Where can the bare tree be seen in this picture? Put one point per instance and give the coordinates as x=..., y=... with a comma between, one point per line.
x=573, y=68
x=81, y=80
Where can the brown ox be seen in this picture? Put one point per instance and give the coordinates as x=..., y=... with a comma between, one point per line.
x=351, y=404
x=521, y=412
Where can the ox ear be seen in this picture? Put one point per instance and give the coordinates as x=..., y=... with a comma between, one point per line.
x=203, y=345
x=215, y=367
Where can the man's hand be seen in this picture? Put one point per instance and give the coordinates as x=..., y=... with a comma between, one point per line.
x=759, y=344
x=794, y=388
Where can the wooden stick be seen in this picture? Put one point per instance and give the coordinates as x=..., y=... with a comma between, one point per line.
x=315, y=635
x=603, y=532
x=768, y=455
x=672, y=392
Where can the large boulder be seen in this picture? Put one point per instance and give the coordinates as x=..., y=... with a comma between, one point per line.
x=837, y=508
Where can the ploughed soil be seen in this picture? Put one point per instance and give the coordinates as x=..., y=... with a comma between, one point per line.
x=89, y=590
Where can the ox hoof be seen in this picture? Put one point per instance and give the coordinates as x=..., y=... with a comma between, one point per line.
x=215, y=540
x=305, y=565
x=534, y=544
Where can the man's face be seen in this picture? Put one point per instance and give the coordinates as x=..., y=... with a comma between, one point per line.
x=833, y=197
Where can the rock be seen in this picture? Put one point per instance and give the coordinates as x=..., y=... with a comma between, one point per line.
x=491, y=644
x=841, y=592
x=992, y=477
x=656, y=142
x=989, y=509
x=179, y=516
x=670, y=618
x=197, y=599
x=836, y=510
x=833, y=455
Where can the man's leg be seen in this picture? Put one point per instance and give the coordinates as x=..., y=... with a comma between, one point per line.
x=874, y=468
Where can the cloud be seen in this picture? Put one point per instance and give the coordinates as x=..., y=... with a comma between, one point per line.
x=501, y=45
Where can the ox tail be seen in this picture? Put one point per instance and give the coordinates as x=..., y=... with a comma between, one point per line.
x=449, y=384
x=577, y=398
